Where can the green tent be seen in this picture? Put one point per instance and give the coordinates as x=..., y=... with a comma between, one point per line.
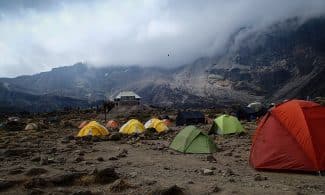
x=226, y=124
x=192, y=140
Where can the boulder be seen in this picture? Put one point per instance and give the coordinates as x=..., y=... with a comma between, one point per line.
x=35, y=171
x=171, y=190
x=115, y=136
x=119, y=186
x=106, y=175
x=13, y=126
x=65, y=178
x=5, y=184
x=36, y=183
x=31, y=126
x=86, y=192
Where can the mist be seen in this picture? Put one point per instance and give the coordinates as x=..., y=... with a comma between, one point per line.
x=37, y=36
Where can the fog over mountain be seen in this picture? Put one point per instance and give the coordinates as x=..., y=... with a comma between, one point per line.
x=38, y=35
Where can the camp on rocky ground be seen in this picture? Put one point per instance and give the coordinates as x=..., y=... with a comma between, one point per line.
x=162, y=97
x=62, y=158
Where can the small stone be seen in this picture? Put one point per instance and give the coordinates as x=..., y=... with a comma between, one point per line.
x=113, y=158
x=65, y=179
x=44, y=161
x=232, y=180
x=115, y=136
x=106, y=175
x=190, y=182
x=100, y=159
x=168, y=190
x=216, y=189
x=35, y=171
x=119, y=186
x=210, y=158
x=122, y=154
x=16, y=170
x=207, y=172
x=87, y=192
x=35, y=191
x=36, y=183
x=228, y=173
x=228, y=154
x=258, y=177
x=81, y=153
x=5, y=184
x=79, y=159
x=150, y=182
x=36, y=159
x=133, y=174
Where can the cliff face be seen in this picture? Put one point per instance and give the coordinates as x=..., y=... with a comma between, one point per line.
x=282, y=61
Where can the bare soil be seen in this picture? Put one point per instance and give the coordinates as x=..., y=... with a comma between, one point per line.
x=52, y=161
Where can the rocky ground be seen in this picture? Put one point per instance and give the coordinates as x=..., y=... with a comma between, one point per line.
x=51, y=160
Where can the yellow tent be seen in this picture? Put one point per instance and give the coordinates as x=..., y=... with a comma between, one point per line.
x=157, y=124
x=132, y=126
x=94, y=129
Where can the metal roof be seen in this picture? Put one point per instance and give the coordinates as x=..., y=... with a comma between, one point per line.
x=127, y=94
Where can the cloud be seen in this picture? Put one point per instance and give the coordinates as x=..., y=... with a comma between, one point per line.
x=35, y=36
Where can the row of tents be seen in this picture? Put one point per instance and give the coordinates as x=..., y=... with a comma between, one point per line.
x=224, y=124
x=133, y=126
x=291, y=136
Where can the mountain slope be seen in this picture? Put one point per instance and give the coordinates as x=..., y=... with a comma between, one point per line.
x=285, y=60
x=13, y=101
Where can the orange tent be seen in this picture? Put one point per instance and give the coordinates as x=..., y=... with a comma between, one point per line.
x=167, y=122
x=111, y=124
x=291, y=137
x=84, y=123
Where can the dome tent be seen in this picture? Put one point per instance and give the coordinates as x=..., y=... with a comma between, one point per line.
x=157, y=124
x=112, y=124
x=93, y=128
x=226, y=124
x=132, y=126
x=192, y=140
x=298, y=128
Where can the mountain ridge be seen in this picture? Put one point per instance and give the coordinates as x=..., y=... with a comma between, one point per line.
x=283, y=61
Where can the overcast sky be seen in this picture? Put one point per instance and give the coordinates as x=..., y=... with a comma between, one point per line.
x=37, y=35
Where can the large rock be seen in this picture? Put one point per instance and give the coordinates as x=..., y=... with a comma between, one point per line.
x=31, y=126
x=36, y=183
x=106, y=175
x=65, y=178
x=120, y=185
x=5, y=184
x=13, y=126
x=171, y=190
x=35, y=171
x=115, y=136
